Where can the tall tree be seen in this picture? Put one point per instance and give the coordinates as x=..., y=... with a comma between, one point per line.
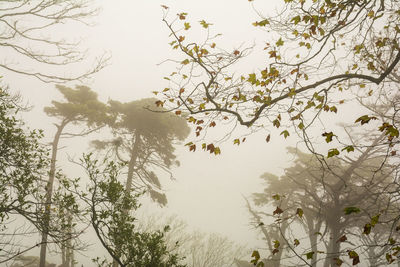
x=144, y=141
x=23, y=163
x=329, y=202
x=81, y=107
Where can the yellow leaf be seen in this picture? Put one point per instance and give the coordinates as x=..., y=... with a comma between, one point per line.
x=187, y=26
x=185, y=62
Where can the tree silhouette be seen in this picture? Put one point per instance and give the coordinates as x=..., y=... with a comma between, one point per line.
x=144, y=139
x=81, y=107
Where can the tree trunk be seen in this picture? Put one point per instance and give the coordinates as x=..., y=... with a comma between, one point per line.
x=334, y=245
x=49, y=193
x=312, y=235
x=131, y=168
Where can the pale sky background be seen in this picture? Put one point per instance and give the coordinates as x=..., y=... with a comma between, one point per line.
x=208, y=190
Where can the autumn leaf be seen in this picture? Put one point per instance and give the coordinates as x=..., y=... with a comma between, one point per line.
x=342, y=239
x=182, y=16
x=192, y=148
x=159, y=103
x=354, y=256
x=210, y=148
x=268, y=138
x=277, y=211
x=236, y=52
x=367, y=229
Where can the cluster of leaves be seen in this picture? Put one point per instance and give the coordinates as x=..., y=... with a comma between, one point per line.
x=111, y=218
x=294, y=87
x=23, y=162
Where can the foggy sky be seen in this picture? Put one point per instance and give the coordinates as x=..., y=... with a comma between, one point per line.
x=208, y=190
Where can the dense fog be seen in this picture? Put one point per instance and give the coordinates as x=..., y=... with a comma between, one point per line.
x=208, y=133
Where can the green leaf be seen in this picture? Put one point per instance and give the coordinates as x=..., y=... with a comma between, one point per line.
x=348, y=148
x=333, y=152
x=204, y=24
x=328, y=136
x=252, y=78
x=350, y=210
x=365, y=119
x=263, y=22
x=285, y=133
x=300, y=212
x=187, y=25
x=185, y=62
x=256, y=256
x=374, y=220
x=367, y=229
x=296, y=20
x=276, y=197
x=310, y=255
x=279, y=42
x=296, y=242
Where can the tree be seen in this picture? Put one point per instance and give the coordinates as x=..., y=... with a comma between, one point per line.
x=198, y=248
x=110, y=214
x=144, y=141
x=322, y=53
x=82, y=107
x=23, y=162
x=29, y=261
x=329, y=204
x=27, y=24
x=323, y=49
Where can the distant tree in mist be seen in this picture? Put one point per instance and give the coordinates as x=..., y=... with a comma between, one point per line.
x=198, y=248
x=80, y=108
x=29, y=261
x=144, y=140
x=328, y=204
